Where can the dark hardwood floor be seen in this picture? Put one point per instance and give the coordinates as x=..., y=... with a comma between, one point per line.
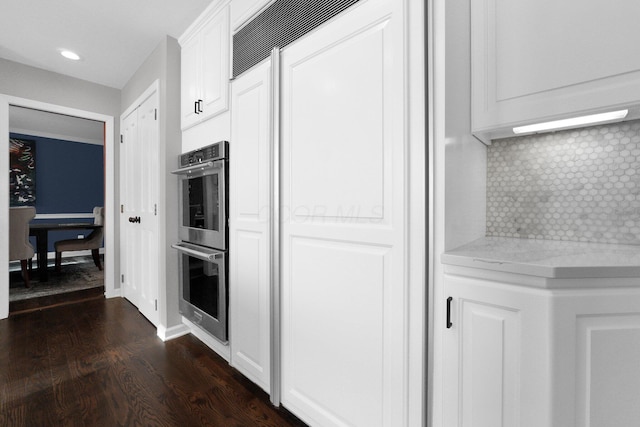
x=100, y=363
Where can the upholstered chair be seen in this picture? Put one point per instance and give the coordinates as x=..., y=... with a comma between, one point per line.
x=93, y=241
x=19, y=246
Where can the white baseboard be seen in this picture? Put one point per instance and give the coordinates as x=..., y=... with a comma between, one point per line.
x=113, y=293
x=166, y=334
x=223, y=350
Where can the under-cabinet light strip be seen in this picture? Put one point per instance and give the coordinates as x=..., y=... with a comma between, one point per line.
x=572, y=122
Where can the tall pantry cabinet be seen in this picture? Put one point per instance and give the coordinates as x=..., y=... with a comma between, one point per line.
x=318, y=228
x=250, y=238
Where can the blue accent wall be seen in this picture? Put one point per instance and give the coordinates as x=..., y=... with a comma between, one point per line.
x=69, y=179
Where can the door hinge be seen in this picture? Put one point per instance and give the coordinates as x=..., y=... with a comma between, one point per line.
x=155, y=114
x=156, y=305
x=122, y=278
x=155, y=209
x=121, y=139
x=121, y=208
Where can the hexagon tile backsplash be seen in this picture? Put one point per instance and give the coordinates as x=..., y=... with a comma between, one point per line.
x=581, y=185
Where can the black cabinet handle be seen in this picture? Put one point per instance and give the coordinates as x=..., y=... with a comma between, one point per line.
x=199, y=106
x=195, y=107
x=449, y=324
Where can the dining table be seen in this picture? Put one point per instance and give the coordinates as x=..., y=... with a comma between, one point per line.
x=41, y=232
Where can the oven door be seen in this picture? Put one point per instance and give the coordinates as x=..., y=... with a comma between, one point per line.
x=203, y=217
x=203, y=288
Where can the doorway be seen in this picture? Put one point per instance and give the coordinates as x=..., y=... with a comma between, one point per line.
x=57, y=166
x=109, y=193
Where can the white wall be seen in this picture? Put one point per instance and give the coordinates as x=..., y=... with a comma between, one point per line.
x=42, y=88
x=164, y=65
x=459, y=164
x=40, y=85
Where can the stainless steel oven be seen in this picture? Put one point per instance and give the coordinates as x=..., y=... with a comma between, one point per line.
x=204, y=196
x=203, y=234
x=203, y=287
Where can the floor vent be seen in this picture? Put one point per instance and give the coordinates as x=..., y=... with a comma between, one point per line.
x=278, y=25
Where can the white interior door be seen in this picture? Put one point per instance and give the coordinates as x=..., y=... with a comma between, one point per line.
x=343, y=210
x=139, y=195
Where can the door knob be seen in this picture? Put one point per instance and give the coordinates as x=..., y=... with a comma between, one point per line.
x=134, y=219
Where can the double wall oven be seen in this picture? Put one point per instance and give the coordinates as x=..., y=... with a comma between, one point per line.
x=204, y=237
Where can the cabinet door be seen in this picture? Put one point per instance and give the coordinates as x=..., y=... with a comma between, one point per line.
x=533, y=61
x=190, y=61
x=596, y=341
x=343, y=231
x=215, y=65
x=482, y=358
x=496, y=355
x=249, y=228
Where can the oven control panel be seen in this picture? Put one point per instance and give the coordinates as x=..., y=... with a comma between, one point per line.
x=214, y=151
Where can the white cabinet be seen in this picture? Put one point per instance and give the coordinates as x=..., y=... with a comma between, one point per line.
x=494, y=373
x=205, y=67
x=596, y=346
x=343, y=229
x=526, y=356
x=538, y=60
x=243, y=10
x=250, y=225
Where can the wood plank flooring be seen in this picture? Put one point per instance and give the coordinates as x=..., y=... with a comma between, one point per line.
x=100, y=363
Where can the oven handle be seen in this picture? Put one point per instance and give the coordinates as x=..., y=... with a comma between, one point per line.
x=196, y=167
x=201, y=255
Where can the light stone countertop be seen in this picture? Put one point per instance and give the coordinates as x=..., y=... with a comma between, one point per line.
x=548, y=258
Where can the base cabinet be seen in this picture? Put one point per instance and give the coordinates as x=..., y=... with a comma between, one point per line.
x=517, y=355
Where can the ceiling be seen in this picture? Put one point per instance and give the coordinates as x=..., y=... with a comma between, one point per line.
x=112, y=37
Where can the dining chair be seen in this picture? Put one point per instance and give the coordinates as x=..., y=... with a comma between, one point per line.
x=93, y=242
x=19, y=246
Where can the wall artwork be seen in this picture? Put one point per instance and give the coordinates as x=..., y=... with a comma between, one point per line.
x=22, y=174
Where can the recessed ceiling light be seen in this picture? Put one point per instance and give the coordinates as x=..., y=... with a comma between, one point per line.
x=70, y=55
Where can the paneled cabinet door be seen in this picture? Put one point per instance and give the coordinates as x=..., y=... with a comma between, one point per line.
x=343, y=210
x=596, y=349
x=533, y=61
x=250, y=217
x=205, y=69
x=495, y=355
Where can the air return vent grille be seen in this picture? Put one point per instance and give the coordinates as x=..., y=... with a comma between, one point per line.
x=278, y=25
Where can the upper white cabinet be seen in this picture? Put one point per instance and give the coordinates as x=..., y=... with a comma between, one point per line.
x=243, y=10
x=533, y=61
x=205, y=67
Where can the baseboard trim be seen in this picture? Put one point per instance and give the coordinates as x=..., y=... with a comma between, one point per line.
x=166, y=334
x=113, y=293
